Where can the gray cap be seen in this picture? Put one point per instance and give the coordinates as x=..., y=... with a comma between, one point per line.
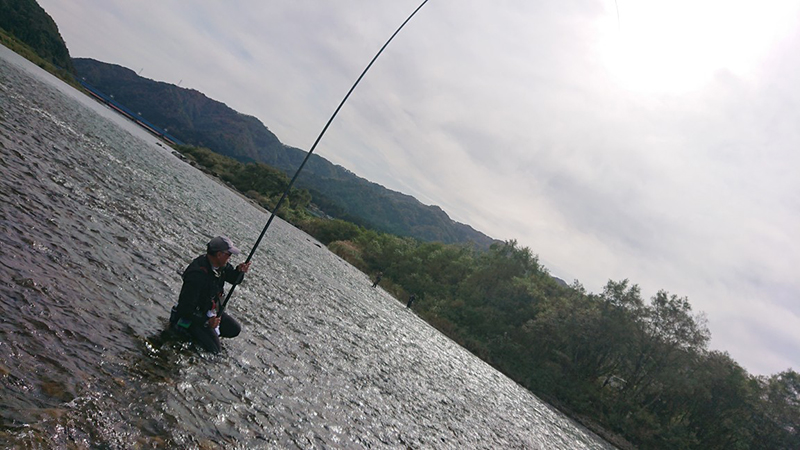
x=221, y=244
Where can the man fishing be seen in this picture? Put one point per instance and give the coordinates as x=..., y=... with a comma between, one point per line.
x=411, y=299
x=204, y=280
x=203, y=285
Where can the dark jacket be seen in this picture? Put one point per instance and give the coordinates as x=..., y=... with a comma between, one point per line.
x=202, y=289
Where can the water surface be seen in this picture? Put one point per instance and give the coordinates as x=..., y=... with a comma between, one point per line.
x=95, y=220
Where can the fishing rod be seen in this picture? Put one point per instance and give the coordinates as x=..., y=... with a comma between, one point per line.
x=308, y=155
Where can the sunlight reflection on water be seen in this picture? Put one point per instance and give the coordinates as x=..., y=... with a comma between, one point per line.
x=96, y=219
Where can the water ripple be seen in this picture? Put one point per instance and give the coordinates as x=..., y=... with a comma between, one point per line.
x=95, y=221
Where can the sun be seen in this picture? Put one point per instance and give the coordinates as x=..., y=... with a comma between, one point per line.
x=679, y=46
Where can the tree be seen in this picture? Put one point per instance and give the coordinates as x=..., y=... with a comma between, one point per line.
x=780, y=409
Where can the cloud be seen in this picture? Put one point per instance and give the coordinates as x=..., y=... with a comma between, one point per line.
x=659, y=147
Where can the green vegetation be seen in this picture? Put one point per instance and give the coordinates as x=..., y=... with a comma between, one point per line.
x=29, y=31
x=620, y=365
x=28, y=53
x=258, y=181
x=198, y=120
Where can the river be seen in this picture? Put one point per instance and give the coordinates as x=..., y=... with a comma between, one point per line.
x=97, y=218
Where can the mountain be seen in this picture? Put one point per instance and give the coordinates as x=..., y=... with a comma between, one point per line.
x=200, y=121
x=26, y=21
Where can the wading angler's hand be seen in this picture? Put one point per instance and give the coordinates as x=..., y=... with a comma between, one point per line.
x=244, y=267
x=213, y=322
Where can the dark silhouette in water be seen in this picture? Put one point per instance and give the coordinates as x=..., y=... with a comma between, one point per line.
x=411, y=300
x=377, y=279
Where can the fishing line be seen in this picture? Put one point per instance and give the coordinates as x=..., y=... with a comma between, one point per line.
x=308, y=155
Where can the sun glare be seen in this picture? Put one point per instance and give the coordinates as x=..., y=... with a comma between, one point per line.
x=678, y=46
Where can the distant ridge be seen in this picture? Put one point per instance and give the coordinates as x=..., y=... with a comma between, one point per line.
x=200, y=121
x=28, y=22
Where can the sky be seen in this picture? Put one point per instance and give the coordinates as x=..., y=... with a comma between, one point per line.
x=654, y=141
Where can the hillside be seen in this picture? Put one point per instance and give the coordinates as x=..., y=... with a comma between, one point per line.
x=27, y=22
x=198, y=120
